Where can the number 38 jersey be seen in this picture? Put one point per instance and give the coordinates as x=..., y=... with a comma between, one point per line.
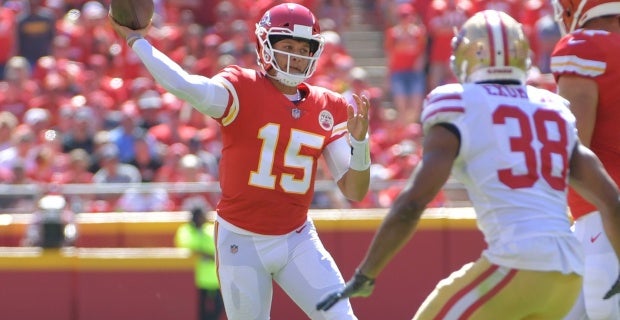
x=270, y=150
x=516, y=143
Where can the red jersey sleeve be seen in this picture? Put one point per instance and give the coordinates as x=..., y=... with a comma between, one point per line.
x=593, y=54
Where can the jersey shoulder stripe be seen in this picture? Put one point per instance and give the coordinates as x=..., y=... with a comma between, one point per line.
x=444, y=104
x=233, y=111
x=577, y=65
x=583, y=52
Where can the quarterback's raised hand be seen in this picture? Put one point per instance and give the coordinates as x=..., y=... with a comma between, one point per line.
x=357, y=123
x=615, y=288
x=359, y=286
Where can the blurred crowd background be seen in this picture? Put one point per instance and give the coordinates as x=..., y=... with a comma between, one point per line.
x=80, y=116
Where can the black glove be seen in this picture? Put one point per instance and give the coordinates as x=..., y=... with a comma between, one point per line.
x=614, y=289
x=359, y=286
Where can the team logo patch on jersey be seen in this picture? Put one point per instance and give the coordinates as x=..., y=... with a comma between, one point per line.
x=326, y=120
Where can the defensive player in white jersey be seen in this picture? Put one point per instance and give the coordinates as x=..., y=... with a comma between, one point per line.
x=587, y=70
x=515, y=148
x=274, y=129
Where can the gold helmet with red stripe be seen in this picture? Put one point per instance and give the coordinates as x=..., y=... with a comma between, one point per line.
x=490, y=46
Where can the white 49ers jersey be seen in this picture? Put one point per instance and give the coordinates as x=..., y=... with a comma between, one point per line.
x=516, y=143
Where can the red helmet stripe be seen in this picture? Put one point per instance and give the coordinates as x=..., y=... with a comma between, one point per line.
x=498, y=38
x=505, y=41
x=491, y=40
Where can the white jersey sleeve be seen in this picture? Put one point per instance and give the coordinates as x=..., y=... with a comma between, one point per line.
x=206, y=95
x=515, y=146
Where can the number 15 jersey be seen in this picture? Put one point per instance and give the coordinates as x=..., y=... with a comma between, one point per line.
x=271, y=148
x=515, y=147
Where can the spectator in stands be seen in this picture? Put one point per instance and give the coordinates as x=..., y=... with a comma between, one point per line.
x=150, y=104
x=198, y=236
x=49, y=161
x=339, y=11
x=405, y=47
x=239, y=44
x=23, y=145
x=18, y=87
x=81, y=132
x=226, y=13
x=36, y=29
x=173, y=153
x=112, y=169
x=8, y=123
x=192, y=48
x=79, y=164
x=358, y=84
x=39, y=120
x=174, y=129
x=210, y=162
x=441, y=19
x=334, y=55
x=128, y=131
x=146, y=159
x=56, y=87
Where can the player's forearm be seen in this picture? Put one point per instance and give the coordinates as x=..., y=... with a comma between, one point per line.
x=396, y=230
x=355, y=184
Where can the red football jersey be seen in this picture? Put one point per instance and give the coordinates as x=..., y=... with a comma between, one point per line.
x=270, y=149
x=594, y=54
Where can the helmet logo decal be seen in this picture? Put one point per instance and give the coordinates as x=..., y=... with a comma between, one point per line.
x=326, y=120
x=266, y=20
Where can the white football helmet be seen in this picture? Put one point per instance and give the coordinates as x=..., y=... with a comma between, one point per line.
x=491, y=46
x=573, y=14
x=288, y=20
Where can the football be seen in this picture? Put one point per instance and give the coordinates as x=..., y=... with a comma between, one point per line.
x=134, y=14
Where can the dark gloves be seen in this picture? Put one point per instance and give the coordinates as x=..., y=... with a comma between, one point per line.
x=359, y=286
x=615, y=288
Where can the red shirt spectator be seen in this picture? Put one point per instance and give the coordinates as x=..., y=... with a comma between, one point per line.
x=442, y=17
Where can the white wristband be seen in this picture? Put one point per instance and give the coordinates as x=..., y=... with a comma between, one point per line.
x=360, y=154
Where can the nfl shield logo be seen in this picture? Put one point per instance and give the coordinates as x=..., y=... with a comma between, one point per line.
x=296, y=113
x=234, y=248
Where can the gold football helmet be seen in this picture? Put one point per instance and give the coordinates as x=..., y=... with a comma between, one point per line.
x=491, y=46
x=573, y=14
